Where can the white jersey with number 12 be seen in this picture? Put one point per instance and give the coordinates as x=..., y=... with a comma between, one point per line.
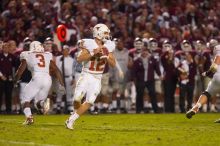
x=95, y=65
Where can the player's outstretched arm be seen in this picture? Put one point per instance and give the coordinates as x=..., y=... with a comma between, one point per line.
x=54, y=69
x=20, y=70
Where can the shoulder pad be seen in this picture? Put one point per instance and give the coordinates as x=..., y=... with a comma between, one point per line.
x=89, y=44
x=110, y=45
x=85, y=42
x=23, y=55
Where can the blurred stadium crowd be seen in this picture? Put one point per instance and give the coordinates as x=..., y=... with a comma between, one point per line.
x=162, y=47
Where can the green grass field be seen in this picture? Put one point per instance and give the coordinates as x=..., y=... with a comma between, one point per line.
x=112, y=130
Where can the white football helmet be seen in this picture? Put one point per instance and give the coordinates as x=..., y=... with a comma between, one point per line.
x=216, y=50
x=101, y=31
x=36, y=46
x=212, y=43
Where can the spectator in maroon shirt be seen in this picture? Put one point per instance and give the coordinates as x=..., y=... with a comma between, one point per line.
x=170, y=76
x=143, y=76
x=7, y=63
x=15, y=93
x=186, y=74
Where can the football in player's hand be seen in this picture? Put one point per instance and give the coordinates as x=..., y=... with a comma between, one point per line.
x=98, y=55
x=105, y=51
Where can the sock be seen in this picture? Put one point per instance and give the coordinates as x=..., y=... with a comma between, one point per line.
x=27, y=111
x=197, y=106
x=73, y=117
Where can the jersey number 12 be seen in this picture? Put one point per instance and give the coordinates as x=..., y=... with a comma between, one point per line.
x=97, y=65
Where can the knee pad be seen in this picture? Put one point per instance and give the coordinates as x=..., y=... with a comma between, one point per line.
x=206, y=94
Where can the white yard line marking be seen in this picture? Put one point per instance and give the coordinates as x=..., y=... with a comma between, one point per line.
x=24, y=143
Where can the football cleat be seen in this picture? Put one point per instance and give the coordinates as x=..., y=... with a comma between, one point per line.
x=46, y=106
x=190, y=113
x=217, y=121
x=43, y=107
x=29, y=120
x=68, y=124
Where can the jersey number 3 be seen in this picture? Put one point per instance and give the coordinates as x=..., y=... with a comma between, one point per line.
x=41, y=59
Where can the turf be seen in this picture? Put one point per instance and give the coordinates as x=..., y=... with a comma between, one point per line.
x=112, y=130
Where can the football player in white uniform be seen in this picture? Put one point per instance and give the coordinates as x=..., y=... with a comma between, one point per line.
x=94, y=55
x=41, y=65
x=213, y=86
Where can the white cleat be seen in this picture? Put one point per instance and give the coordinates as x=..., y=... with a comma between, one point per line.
x=29, y=120
x=68, y=124
x=217, y=121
